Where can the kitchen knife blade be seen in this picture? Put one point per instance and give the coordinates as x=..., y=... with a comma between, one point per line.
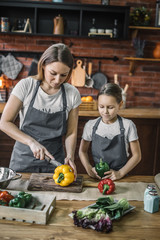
x=53, y=161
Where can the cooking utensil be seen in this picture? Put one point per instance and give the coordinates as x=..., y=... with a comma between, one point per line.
x=78, y=75
x=7, y=175
x=99, y=78
x=53, y=161
x=89, y=80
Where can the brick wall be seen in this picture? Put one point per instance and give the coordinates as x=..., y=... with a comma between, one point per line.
x=144, y=84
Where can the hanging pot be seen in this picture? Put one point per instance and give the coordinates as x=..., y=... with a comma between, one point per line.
x=99, y=78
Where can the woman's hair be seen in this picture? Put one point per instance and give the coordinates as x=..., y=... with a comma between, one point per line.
x=56, y=53
x=111, y=89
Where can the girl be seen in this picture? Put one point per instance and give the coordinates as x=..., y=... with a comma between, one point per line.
x=48, y=108
x=111, y=136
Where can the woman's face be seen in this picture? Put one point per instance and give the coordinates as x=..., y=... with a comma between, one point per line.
x=108, y=108
x=55, y=74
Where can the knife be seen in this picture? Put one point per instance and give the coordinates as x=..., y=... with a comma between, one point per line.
x=52, y=161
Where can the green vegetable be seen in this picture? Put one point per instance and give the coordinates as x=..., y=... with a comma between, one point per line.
x=115, y=210
x=124, y=203
x=26, y=196
x=101, y=168
x=21, y=200
x=17, y=202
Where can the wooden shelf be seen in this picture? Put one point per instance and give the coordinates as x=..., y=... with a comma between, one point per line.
x=137, y=28
x=144, y=27
x=132, y=61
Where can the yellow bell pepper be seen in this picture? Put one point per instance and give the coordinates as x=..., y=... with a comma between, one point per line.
x=63, y=175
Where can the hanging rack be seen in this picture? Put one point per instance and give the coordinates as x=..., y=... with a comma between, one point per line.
x=38, y=55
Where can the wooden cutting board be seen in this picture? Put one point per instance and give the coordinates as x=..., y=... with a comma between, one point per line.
x=45, y=182
x=78, y=75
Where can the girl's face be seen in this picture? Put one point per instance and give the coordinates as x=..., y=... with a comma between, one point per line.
x=55, y=74
x=108, y=108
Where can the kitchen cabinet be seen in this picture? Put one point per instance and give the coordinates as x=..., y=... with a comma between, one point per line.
x=77, y=17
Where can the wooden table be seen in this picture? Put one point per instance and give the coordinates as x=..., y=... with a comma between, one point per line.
x=137, y=224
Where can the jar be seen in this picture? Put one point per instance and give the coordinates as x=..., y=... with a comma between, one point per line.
x=151, y=203
x=149, y=187
x=4, y=24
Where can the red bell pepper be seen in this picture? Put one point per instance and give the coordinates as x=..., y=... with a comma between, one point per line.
x=106, y=186
x=6, y=196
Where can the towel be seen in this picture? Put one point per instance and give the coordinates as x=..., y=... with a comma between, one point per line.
x=11, y=67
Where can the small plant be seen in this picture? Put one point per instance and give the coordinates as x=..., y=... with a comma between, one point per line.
x=140, y=16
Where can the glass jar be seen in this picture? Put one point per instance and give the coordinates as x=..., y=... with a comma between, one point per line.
x=4, y=24
x=151, y=203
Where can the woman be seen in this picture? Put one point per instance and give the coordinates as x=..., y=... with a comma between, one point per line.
x=48, y=110
x=111, y=137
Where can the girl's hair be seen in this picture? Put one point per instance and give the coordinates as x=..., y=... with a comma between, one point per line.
x=56, y=53
x=111, y=89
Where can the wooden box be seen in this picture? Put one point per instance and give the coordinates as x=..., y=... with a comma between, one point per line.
x=88, y=106
x=38, y=211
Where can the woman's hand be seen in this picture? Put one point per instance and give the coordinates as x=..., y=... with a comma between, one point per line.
x=71, y=163
x=112, y=174
x=39, y=151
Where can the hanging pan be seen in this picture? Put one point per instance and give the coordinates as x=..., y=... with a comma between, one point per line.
x=99, y=78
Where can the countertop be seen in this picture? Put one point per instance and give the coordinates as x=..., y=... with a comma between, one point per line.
x=137, y=224
x=152, y=113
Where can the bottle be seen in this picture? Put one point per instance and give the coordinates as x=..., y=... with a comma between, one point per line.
x=150, y=187
x=115, y=29
x=93, y=29
x=151, y=202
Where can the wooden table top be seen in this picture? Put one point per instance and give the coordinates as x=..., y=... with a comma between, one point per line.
x=152, y=113
x=137, y=224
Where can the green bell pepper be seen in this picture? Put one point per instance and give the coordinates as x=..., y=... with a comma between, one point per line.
x=26, y=196
x=101, y=168
x=17, y=202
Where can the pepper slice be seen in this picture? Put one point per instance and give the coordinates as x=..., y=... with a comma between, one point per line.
x=106, y=186
x=101, y=168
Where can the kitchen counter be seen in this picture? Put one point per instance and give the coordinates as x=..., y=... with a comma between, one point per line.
x=151, y=113
x=137, y=224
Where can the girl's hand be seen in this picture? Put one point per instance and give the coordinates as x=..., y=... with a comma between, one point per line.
x=71, y=163
x=112, y=174
x=92, y=173
x=39, y=151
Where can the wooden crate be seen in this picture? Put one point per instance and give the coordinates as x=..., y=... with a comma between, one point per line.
x=38, y=211
x=88, y=106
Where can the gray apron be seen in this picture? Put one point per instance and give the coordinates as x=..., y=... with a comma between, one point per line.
x=112, y=151
x=47, y=129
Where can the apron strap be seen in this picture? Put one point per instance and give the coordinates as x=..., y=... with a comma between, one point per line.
x=95, y=126
x=64, y=98
x=34, y=95
x=121, y=125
